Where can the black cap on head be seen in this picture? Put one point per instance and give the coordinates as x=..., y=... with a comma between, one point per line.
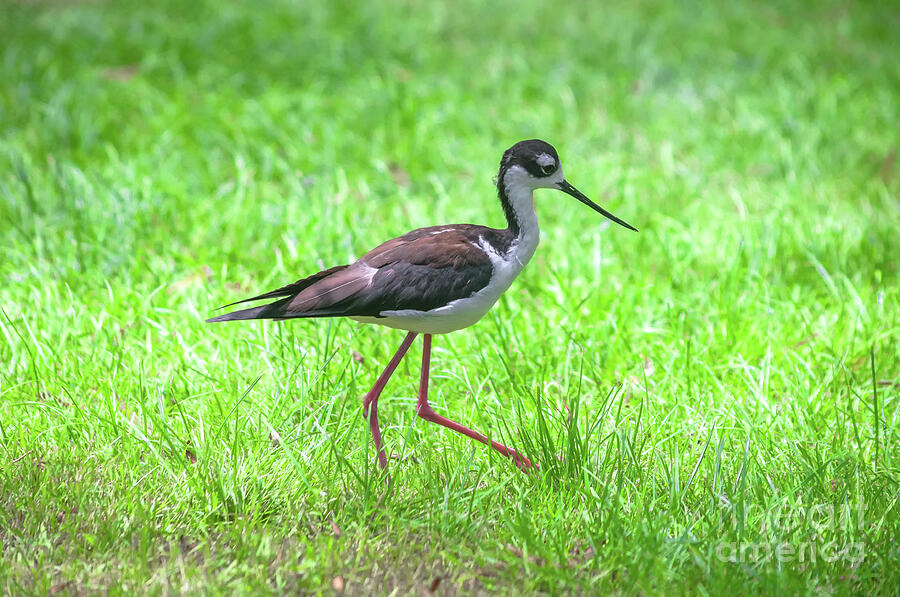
x=528, y=154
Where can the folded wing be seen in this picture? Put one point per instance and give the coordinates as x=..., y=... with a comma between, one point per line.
x=422, y=270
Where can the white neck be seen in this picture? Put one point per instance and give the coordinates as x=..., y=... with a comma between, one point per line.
x=520, y=194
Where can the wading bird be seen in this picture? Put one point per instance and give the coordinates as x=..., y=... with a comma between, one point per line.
x=432, y=280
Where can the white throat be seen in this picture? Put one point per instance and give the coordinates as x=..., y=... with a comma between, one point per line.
x=519, y=186
x=521, y=197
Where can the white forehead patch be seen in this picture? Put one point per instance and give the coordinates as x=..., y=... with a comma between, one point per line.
x=545, y=159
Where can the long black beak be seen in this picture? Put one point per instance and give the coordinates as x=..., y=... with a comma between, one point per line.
x=565, y=187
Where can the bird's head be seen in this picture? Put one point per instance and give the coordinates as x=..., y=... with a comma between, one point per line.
x=535, y=165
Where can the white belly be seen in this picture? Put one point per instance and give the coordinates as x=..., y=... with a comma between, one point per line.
x=462, y=313
x=454, y=316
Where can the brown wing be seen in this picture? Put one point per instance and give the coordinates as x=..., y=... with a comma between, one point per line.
x=422, y=270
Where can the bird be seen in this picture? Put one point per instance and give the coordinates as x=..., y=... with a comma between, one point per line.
x=432, y=280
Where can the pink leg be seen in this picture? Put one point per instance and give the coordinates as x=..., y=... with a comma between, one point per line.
x=371, y=399
x=425, y=411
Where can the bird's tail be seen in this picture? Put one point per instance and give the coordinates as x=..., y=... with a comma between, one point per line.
x=261, y=312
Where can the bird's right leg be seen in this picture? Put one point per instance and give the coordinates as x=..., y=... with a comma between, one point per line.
x=425, y=411
x=371, y=399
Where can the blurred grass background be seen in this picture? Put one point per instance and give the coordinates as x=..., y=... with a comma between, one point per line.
x=691, y=389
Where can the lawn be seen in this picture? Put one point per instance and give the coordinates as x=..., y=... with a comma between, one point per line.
x=713, y=400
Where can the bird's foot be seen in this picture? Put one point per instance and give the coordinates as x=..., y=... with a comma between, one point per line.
x=525, y=465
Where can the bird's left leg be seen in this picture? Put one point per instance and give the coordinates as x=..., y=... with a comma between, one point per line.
x=425, y=411
x=370, y=402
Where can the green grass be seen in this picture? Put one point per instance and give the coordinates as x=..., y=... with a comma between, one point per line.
x=719, y=386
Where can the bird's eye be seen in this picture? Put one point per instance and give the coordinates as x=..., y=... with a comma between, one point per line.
x=548, y=169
